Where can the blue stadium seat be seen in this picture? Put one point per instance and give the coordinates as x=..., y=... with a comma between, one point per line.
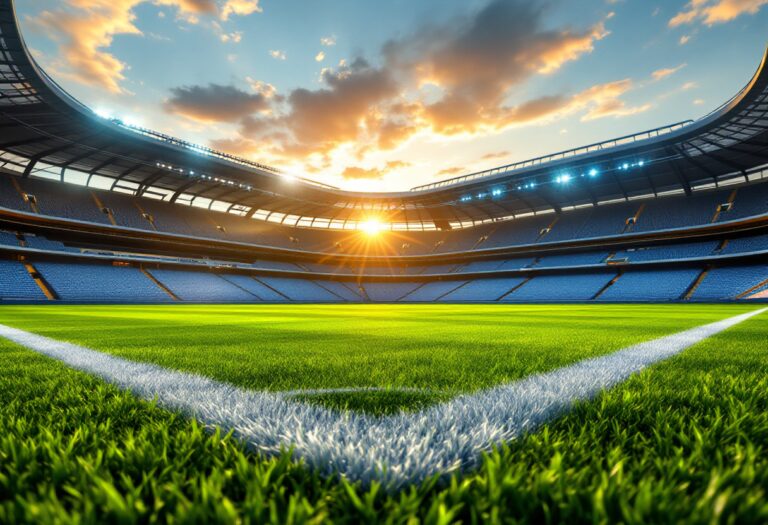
x=579, y=287
x=484, y=289
x=729, y=282
x=100, y=283
x=651, y=285
x=299, y=289
x=16, y=283
x=389, y=292
x=432, y=291
x=202, y=287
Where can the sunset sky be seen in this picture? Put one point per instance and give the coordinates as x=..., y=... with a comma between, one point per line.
x=386, y=95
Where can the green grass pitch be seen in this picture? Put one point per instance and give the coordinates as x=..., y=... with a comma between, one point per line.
x=686, y=440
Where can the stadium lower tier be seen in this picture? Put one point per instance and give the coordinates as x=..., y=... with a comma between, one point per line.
x=122, y=283
x=113, y=209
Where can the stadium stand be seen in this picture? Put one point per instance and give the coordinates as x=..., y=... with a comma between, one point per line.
x=729, y=283
x=578, y=287
x=17, y=284
x=651, y=285
x=671, y=214
x=673, y=251
x=300, y=290
x=484, y=290
x=101, y=283
x=201, y=287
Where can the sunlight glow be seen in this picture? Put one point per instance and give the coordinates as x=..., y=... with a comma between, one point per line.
x=371, y=227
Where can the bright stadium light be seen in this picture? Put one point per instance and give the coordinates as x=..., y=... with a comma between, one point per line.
x=593, y=172
x=104, y=113
x=371, y=227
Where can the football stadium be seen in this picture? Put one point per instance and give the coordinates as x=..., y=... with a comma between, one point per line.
x=191, y=336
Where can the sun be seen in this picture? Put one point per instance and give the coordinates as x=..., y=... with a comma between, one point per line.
x=371, y=227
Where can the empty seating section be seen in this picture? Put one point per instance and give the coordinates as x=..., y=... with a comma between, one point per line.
x=64, y=200
x=484, y=289
x=730, y=282
x=750, y=201
x=102, y=283
x=572, y=259
x=579, y=287
x=299, y=289
x=8, y=239
x=670, y=212
x=257, y=289
x=389, y=292
x=591, y=222
x=17, y=284
x=201, y=287
x=525, y=230
x=672, y=251
x=344, y=291
x=124, y=211
x=41, y=243
x=429, y=292
x=757, y=243
x=651, y=285
x=73, y=202
x=9, y=196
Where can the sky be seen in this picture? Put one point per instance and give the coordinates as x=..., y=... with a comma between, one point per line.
x=374, y=95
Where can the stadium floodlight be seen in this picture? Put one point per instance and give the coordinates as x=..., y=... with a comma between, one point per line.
x=104, y=113
x=593, y=172
x=371, y=226
x=641, y=163
x=496, y=192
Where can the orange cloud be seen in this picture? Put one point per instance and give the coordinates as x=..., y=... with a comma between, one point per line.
x=85, y=30
x=712, y=12
x=661, y=74
x=357, y=173
x=471, y=64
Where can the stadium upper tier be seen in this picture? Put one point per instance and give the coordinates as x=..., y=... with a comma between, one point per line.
x=43, y=130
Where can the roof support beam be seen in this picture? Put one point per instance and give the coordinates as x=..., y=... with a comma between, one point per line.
x=98, y=168
x=148, y=182
x=697, y=164
x=683, y=181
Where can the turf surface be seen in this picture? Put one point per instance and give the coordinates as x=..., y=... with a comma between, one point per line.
x=438, y=350
x=684, y=441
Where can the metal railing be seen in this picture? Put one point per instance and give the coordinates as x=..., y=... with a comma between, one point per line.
x=599, y=146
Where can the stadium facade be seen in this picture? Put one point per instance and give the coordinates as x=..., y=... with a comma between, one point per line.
x=94, y=210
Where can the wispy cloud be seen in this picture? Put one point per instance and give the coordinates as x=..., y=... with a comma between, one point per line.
x=711, y=12
x=661, y=74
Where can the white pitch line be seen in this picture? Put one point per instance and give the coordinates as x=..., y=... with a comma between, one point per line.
x=395, y=450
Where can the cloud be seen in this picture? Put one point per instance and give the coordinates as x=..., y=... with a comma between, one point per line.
x=214, y=103
x=711, y=12
x=358, y=173
x=328, y=41
x=455, y=170
x=661, y=74
x=85, y=30
x=320, y=56
x=496, y=155
x=476, y=61
x=277, y=54
x=239, y=8
x=457, y=77
x=684, y=39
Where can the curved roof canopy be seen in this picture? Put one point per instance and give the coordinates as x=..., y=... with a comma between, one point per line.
x=41, y=125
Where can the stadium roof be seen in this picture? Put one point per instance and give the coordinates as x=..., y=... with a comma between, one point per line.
x=45, y=130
